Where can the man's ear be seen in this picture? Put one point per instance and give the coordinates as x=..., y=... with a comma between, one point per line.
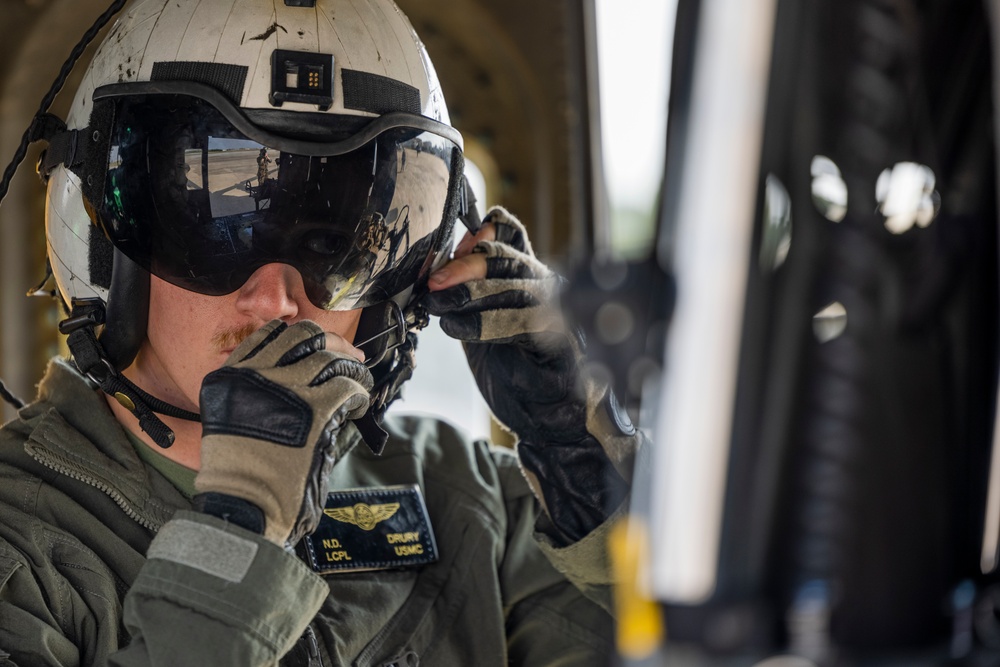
x=127, y=311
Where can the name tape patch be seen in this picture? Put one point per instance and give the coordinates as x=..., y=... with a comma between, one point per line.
x=372, y=529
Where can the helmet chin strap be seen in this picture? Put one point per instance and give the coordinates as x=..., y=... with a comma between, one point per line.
x=92, y=360
x=102, y=359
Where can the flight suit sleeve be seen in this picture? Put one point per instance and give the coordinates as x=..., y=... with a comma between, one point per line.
x=33, y=622
x=551, y=618
x=585, y=563
x=212, y=593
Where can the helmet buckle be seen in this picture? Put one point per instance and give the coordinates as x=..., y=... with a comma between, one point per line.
x=85, y=313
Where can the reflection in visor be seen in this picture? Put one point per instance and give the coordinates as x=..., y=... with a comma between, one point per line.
x=202, y=206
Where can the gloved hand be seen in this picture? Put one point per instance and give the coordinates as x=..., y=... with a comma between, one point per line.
x=575, y=443
x=270, y=419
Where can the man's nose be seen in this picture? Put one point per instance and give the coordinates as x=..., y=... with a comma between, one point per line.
x=273, y=292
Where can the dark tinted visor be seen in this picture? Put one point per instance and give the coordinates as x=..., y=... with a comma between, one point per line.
x=201, y=205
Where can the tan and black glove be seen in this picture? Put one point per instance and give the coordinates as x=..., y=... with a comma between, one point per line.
x=575, y=443
x=270, y=419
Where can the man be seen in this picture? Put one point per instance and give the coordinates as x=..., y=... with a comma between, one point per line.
x=262, y=161
x=193, y=488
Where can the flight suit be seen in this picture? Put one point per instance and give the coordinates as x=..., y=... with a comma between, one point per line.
x=79, y=509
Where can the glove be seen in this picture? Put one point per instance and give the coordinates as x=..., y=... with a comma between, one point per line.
x=270, y=419
x=575, y=443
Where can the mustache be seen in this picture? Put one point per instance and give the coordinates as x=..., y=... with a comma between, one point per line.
x=228, y=339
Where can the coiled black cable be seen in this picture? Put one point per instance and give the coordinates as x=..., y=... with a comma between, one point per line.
x=57, y=85
x=10, y=397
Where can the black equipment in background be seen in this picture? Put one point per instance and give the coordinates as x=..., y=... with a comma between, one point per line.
x=821, y=477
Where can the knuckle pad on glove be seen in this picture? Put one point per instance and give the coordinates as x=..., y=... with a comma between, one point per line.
x=522, y=264
x=332, y=394
x=463, y=327
x=343, y=399
x=345, y=367
x=507, y=267
x=509, y=230
x=447, y=301
x=258, y=340
x=356, y=405
x=302, y=350
x=275, y=345
x=241, y=402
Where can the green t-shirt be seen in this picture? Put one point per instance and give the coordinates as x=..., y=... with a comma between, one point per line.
x=181, y=477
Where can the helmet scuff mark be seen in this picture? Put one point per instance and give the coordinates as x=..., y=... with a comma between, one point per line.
x=273, y=28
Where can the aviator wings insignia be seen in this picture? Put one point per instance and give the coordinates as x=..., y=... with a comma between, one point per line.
x=362, y=515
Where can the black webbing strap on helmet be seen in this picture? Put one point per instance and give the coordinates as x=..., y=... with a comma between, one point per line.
x=65, y=146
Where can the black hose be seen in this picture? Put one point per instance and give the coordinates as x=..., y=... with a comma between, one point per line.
x=57, y=85
x=9, y=397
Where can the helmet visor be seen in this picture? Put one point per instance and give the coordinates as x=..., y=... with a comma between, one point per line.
x=201, y=205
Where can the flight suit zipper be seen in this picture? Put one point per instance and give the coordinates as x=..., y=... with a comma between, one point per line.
x=313, y=648
x=408, y=659
x=63, y=467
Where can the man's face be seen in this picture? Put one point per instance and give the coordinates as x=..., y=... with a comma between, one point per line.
x=190, y=335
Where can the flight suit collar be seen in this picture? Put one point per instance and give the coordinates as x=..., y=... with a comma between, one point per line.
x=74, y=432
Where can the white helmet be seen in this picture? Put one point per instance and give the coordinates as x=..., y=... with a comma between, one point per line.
x=211, y=137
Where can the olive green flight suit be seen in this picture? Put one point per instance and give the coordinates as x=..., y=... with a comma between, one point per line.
x=79, y=509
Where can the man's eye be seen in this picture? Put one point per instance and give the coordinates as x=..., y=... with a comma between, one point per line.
x=323, y=243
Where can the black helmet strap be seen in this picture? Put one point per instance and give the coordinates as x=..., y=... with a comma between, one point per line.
x=92, y=360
